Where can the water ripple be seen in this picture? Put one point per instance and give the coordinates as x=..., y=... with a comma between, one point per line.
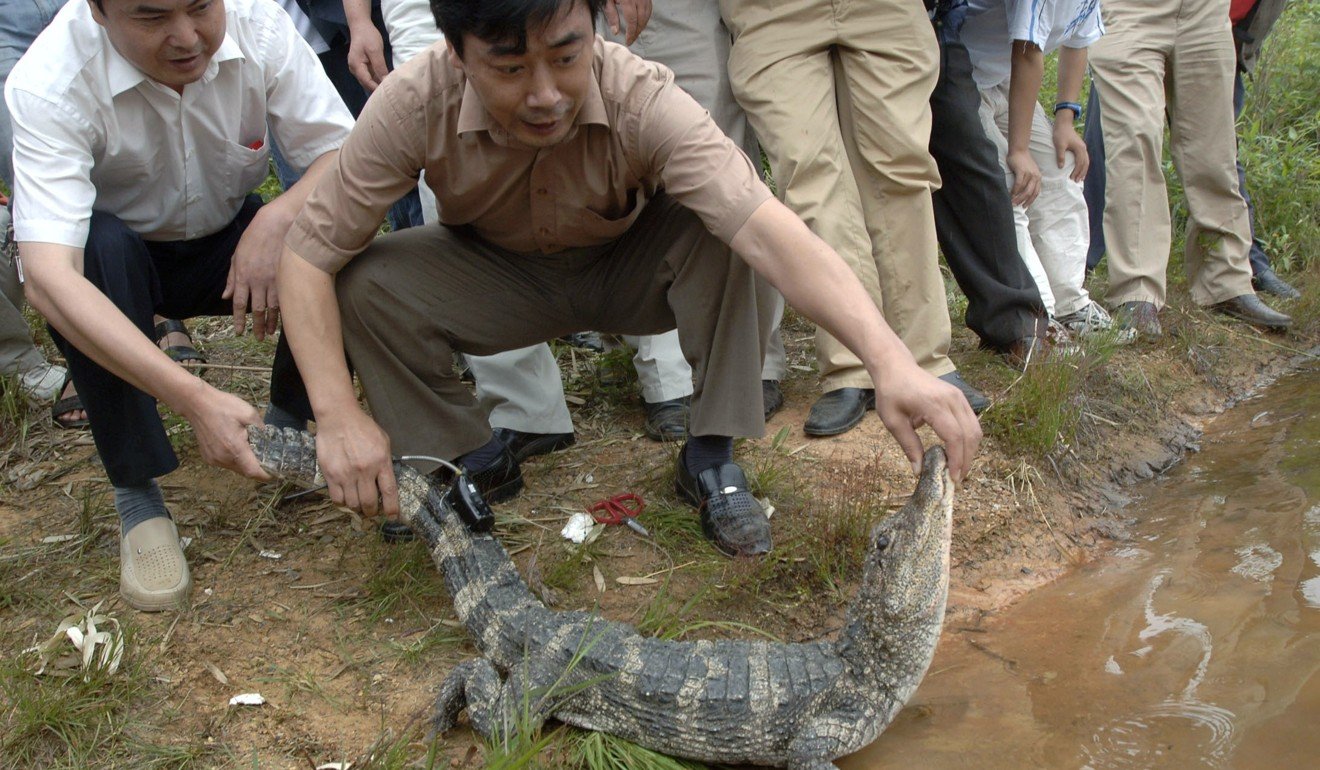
x=1181, y=734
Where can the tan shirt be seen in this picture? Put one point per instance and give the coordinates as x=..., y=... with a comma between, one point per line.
x=636, y=132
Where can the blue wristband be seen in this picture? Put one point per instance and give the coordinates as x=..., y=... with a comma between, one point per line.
x=1074, y=106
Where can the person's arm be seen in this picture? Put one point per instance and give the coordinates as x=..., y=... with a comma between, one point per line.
x=366, y=48
x=634, y=13
x=1072, y=68
x=352, y=450
x=820, y=285
x=89, y=320
x=1023, y=89
x=252, y=271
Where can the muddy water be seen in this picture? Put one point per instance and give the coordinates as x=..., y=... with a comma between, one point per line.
x=1195, y=645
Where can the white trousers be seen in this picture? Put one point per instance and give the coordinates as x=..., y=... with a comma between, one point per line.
x=1053, y=233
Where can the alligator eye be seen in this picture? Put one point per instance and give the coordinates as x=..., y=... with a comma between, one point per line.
x=882, y=542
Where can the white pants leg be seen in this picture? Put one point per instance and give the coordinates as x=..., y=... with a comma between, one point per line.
x=1053, y=232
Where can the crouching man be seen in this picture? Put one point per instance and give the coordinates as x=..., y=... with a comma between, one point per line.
x=578, y=188
x=139, y=134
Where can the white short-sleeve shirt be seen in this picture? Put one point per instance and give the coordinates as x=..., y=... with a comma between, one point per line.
x=993, y=25
x=93, y=132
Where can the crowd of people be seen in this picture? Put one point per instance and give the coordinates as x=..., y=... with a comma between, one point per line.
x=552, y=167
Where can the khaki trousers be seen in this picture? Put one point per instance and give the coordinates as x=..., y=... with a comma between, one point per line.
x=1174, y=55
x=413, y=297
x=839, y=95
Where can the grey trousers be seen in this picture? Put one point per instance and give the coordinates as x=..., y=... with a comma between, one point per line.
x=17, y=353
x=414, y=297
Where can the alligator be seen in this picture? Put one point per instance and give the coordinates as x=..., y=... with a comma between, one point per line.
x=727, y=701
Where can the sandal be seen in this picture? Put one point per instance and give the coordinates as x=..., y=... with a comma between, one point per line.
x=66, y=405
x=179, y=354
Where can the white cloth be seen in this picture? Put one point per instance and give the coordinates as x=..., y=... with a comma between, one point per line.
x=993, y=25
x=303, y=23
x=92, y=131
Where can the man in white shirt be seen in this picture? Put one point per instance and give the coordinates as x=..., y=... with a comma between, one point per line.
x=139, y=133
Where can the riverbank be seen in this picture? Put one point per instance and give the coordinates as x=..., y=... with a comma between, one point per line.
x=347, y=637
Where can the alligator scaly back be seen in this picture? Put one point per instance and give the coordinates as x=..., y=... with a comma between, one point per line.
x=738, y=702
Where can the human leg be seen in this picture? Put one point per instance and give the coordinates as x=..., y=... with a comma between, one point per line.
x=1202, y=144
x=973, y=213
x=1128, y=68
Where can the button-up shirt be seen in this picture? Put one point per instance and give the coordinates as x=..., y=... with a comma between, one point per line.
x=93, y=132
x=635, y=133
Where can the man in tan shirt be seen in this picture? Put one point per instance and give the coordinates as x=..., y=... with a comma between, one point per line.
x=578, y=188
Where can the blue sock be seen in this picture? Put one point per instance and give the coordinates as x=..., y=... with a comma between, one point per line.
x=137, y=504
x=703, y=452
x=480, y=459
x=281, y=418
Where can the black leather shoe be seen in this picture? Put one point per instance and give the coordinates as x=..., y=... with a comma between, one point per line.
x=730, y=517
x=975, y=398
x=501, y=480
x=1249, y=308
x=524, y=445
x=1269, y=282
x=1142, y=316
x=772, y=397
x=667, y=420
x=838, y=411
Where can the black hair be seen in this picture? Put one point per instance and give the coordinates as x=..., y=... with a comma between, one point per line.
x=499, y=21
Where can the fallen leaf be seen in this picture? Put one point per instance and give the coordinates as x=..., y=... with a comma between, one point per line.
x=58, y=538
x=216, y=672
x=635, y=581
x=599, y=578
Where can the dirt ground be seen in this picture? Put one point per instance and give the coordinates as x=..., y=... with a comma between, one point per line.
x=347, y=638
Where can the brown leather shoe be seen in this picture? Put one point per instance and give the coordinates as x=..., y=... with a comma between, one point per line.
x=1249, y=308
x=1023, y=351
x=1142, y=316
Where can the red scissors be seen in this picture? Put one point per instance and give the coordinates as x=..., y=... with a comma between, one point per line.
x=620, y=509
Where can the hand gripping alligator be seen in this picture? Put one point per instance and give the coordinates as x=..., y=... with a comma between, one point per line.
x=736, y=702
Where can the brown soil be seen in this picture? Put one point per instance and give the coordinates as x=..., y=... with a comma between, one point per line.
x=347, y=638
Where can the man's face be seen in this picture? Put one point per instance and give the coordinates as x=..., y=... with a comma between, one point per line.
x=171, y=41
x=534, y=94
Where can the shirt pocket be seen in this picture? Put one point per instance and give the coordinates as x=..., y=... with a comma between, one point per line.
x=246, y=168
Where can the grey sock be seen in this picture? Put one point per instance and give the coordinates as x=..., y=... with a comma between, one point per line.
x=281, y=418
x=137, y=504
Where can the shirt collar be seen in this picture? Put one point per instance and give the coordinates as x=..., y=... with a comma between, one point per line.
x=122, y=75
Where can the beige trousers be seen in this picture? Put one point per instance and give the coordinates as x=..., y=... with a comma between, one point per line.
x=1174, y=55
x=839, y=95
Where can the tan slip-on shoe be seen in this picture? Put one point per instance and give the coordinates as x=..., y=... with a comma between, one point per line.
x=153, y=575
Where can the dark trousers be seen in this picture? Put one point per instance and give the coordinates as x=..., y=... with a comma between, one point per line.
x=973, y=213
x=412, y=298
x=1094, y=188
x=176, y=279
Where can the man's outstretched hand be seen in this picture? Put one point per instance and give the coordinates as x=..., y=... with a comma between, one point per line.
x=354, y=455
x=911, y=398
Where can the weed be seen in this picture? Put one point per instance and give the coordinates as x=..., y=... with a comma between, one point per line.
x=404, y=577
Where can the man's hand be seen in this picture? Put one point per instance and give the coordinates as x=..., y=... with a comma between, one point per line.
x=252, y=274
x=635, y=14
x=219, y=422
x=354, y=454
x=1026, y=177
x=366, y=56
x=1066, y=140
x=911, y=398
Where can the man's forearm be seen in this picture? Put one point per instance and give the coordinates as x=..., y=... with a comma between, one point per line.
x=312, y=325
x=1023, y=89
x=819, y=284
x=91, y=322
x=1072, y=69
